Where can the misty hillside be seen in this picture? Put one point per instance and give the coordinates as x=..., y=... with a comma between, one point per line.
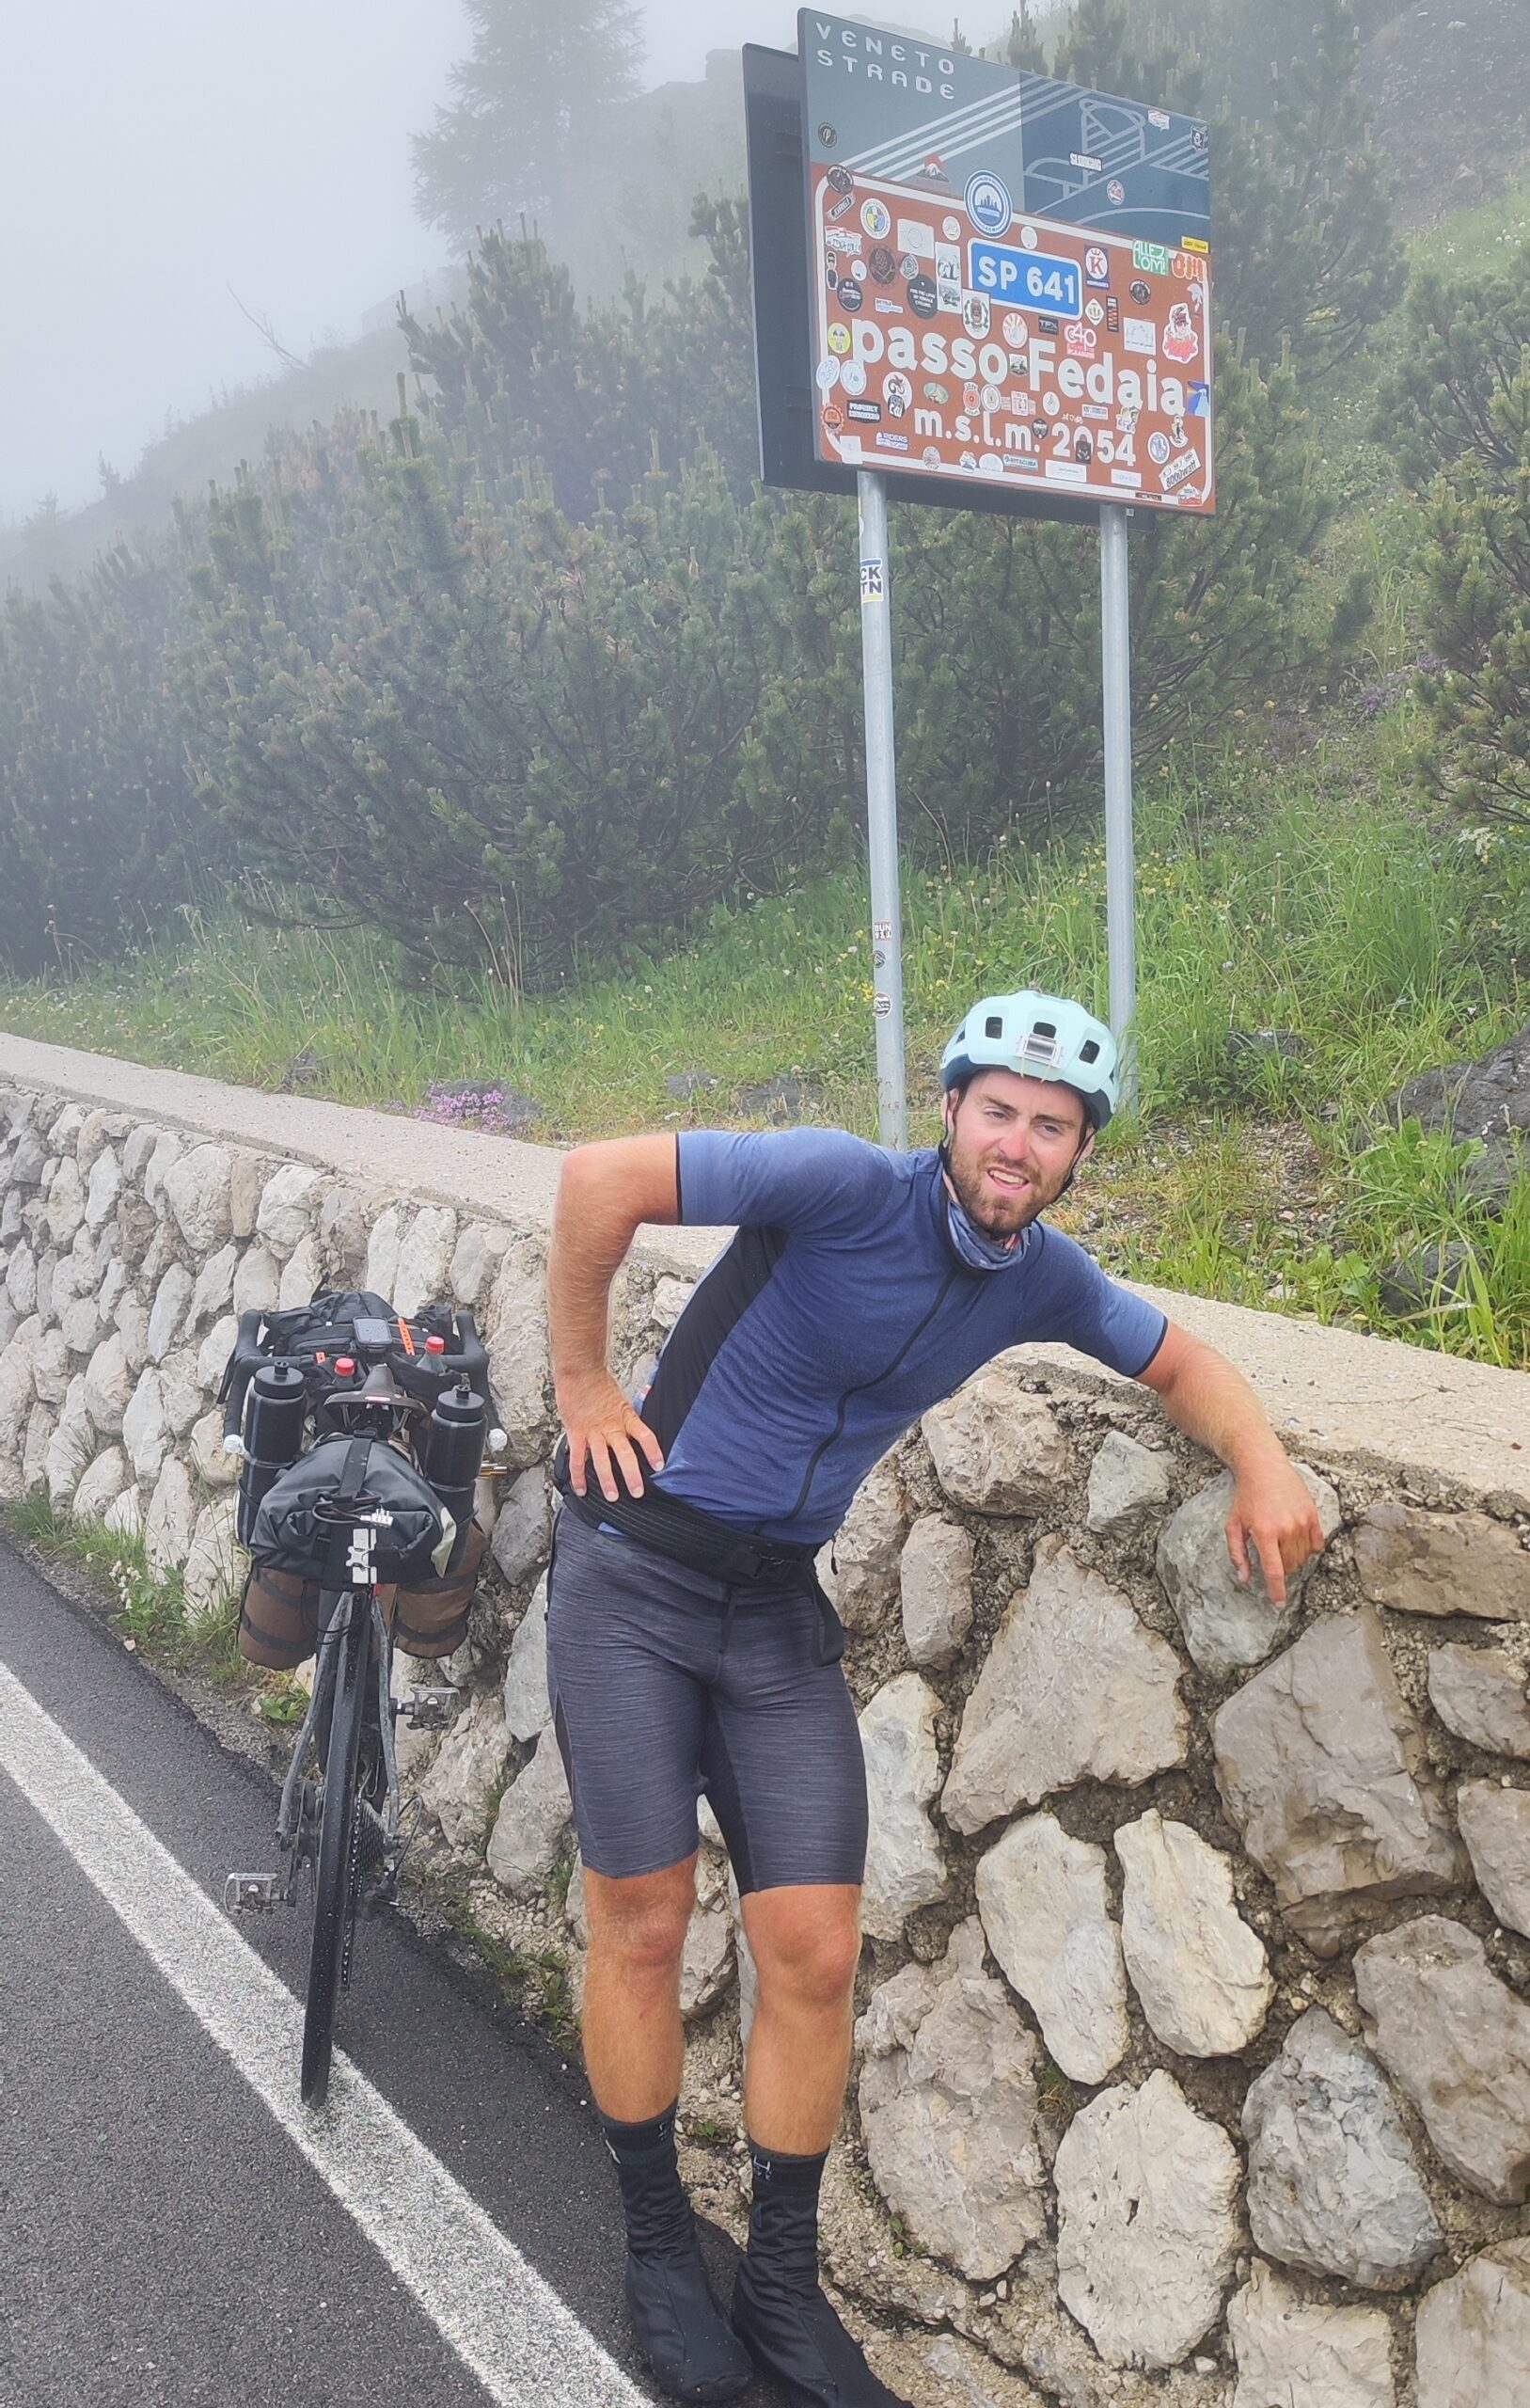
x=1450, y=83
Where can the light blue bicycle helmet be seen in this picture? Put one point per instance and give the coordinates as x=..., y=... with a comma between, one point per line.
x=1039, y=1036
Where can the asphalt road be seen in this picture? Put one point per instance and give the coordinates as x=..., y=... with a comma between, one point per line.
x=168, y=2233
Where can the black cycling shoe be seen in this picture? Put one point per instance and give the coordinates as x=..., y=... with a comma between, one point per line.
x=796, y=2337
x=681, y=2331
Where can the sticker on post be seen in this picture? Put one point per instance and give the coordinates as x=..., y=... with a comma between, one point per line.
x=881, y=931
x=882, y=1005
x=871, y=581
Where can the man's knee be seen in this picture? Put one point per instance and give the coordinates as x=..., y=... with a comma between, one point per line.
x=641, y=1921
x=806, y=1943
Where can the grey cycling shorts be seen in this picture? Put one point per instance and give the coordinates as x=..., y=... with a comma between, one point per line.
x=667, y=1684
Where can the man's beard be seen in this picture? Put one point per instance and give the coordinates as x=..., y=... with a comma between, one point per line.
x=988, y=1213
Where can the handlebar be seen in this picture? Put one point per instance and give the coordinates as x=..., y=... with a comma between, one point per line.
x=383, y=1344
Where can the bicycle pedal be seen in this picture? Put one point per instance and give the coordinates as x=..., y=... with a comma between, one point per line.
x=429, y=1708
x=251, y=1894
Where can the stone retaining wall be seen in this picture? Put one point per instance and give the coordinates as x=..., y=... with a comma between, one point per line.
x=1194, y=2046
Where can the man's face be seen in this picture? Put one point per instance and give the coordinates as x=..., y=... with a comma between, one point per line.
x=1013, y=1143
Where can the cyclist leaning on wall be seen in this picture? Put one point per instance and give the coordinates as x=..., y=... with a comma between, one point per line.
x=691, y=1651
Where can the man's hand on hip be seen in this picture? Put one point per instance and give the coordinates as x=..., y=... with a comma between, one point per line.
x=1274, y=1516
x=605, y=1433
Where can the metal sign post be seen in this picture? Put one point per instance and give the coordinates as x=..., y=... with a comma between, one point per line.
x=882, y=810
x=1120, y=907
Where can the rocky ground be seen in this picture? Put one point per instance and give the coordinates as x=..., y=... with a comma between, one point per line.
x=1451, y=87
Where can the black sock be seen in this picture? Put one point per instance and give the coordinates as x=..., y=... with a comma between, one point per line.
x=653, y=2200
x=783, y=2219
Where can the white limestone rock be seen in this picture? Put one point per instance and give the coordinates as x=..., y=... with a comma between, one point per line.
x=424, y=1271
x=1422, y=1563
x=706, y=1967
x=102, y=1189
x=133, y=1329
x=40, y=1424
x=172, y=1300
x=531, y=1829
x=168, y=1149
x=1074, y=1688
x=50, y=1366
x=289, y=1206
x=214, y=1354
x=100, y=1485
x=1228, y=1624
x=382, y=1251
x=935, y=1573
x=520, y=1368
x=72, y=1446
x=527, y=1706
x=1323, y=1769
x=1457, y=2039
x=124, y=1516
x=146, y=1430
x=1146, y=2222
x=214, y=1284
x=1199, y=1970
x=905, y=1869
x=210, y=1461
x=1479, y=1693
x=948, y=2108
x=247, y=1176
x=215, y=1565
x=1332, y=2185
x=21, y=1280
x=1495, y=1824
x=1129, y=1483
x=197, y=1189
x=1041, y=1895
x=171, y=1519
x=108, y=1386
x=97, y=1132
x=523, y=1526
x=479, y=1252
x=257, y=1282
x=1474, y=2333
x=301, y=1275
x=343, y=1237
x=859, y=1569
x=465, y=1770
x=81, y=1325
x=66, y=1203
x=1288, y=2351
x=671, y=1297
x=138, y=1152
x=997, y=1447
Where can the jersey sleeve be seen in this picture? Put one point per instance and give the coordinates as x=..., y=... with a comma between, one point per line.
x=1102, y=1317
x=798, y=1179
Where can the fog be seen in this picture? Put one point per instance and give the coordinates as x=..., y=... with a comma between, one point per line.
x=169, y=167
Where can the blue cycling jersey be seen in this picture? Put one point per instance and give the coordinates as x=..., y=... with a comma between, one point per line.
x=840, y=1314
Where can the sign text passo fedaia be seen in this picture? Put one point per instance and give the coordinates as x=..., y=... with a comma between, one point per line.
x=962, y=329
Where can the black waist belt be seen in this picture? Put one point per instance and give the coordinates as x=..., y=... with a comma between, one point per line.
x=702, y=1543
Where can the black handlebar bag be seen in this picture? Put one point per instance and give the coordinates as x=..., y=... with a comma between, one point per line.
x=350, y=1513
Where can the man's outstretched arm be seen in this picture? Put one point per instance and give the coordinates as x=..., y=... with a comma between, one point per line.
x=1214, y=1405
x=605, y=1193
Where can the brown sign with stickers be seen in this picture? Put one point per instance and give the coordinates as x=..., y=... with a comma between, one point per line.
x=1067, y=359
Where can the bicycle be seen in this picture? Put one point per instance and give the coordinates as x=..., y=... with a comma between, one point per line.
x=341, y=1801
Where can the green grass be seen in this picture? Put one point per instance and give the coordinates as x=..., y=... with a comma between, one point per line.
x=1308, y=895
x=147, y=1608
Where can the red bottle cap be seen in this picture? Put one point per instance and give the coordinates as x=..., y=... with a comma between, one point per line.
x=435, y=1346
x=345, y=1367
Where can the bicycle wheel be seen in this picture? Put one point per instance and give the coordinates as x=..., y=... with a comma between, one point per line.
x=332, y=1900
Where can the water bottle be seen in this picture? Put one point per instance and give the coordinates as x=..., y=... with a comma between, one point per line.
x=454, y=1456
x=274, y=1411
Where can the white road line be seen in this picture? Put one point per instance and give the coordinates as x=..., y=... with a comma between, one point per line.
x=525, y=2345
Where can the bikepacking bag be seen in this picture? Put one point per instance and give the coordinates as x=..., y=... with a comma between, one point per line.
x=386, y=1526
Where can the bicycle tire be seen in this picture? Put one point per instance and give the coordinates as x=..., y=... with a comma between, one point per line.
x=332, y=1901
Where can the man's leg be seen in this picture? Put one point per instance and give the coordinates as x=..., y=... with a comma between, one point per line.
x=628, y=1653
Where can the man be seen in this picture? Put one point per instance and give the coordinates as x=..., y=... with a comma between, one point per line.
x=690, y=1650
